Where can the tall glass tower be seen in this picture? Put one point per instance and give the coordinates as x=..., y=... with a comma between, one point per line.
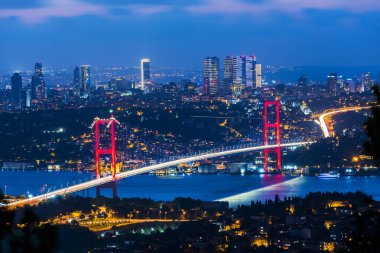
x=145, y=73
x=251, y=71
x=38, y=83
x=85, y=81
x=76, y=82
x=210, y=75
x=228, y=74
x=16, y=85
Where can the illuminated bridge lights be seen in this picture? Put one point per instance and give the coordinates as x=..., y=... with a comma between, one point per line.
x=276, y=127
x=111, y=151
x=325, y=118
x=174, y=162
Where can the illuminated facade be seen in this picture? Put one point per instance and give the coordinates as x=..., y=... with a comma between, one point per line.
x=250, y=71
x=239, y=71
x=258, y=76
x=38, y=83
x=145, y=73
x=211, y=76
x=76, y=82
x=85, y=81
x=332, y=84
x=228, y=64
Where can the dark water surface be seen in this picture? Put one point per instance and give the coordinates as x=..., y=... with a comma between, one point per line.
x=236, y=189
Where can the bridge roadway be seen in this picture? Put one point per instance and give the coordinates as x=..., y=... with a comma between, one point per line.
x=322, y=122
x=96, y=182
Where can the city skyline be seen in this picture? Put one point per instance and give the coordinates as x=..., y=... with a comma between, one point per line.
x=189, y=126
x=172, y=33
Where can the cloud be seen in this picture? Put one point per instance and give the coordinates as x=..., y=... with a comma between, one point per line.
x=146, y=9
x=281, y=6
x=38, y=11
x=51, y=9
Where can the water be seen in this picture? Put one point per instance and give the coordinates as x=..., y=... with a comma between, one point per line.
x=235, y=189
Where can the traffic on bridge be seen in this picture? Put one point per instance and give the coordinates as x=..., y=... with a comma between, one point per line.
x=108, y=179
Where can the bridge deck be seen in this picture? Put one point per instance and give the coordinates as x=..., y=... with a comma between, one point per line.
x=96, y=182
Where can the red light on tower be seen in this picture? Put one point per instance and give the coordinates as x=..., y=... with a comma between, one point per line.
x=276, y=127
x=110, y=123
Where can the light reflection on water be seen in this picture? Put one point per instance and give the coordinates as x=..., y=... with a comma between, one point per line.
x=282, y=189
x=236, y=189
x=302, y=185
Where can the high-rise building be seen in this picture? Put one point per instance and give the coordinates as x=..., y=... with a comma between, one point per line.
x=228, y=73
x=145, y=73
x=302, y=81
x=38, y=83
x=210, y=75
x=25, y=97
x=250, y=71
x=16, y=86
x=76, y=82
x=85, y=81
x=239, y=72
x=258, y=76
x=332, y=84
x=367, y=81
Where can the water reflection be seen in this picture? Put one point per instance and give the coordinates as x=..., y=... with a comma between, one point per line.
x=236, y=189
x=281, y=187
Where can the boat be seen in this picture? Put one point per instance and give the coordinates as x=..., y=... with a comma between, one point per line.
x=331, y=174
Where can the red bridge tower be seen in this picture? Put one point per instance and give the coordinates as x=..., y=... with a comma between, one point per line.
x=110, y=151
x=276, y=127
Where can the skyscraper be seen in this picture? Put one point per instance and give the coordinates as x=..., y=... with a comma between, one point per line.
x=210, y=75
x=251, y=71
x=16, y=85
x=85, y=81
x=239, y=72
x=76, y=82
x=38, y=83
x=332, y=84
x=25, y=97
x=145, y=73
x=367, y=81
x=258, y=76
x=228, y=65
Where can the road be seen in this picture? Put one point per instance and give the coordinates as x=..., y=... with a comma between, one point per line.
x=326, y=129
x=96, y=182
x=99, y=226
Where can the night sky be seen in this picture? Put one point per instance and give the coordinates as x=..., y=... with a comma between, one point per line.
x=182, y=33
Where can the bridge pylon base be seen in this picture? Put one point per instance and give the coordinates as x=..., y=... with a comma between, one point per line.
x=112, y=185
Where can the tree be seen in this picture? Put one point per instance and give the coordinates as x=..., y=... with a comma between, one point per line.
x=20, y=232
x=372, y=129
x=364, y=232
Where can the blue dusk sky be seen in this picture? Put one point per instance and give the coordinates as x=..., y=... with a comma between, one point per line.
x=183, y=32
